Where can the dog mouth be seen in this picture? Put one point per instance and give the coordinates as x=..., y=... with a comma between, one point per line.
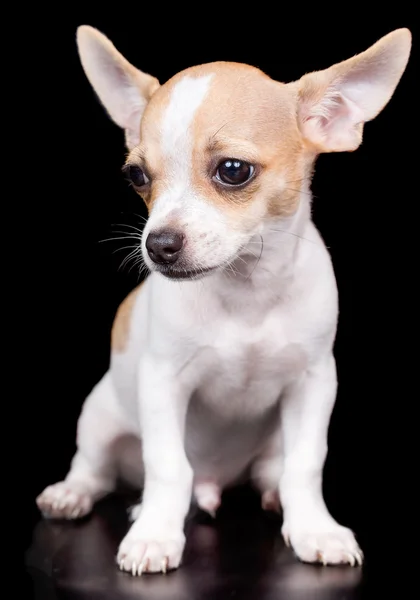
x=180, y=274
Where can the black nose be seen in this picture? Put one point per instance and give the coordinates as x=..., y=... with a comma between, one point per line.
x=164, y=247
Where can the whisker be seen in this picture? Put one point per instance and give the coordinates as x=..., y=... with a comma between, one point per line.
x=127, y=237
x=125, y=248
x=126, y=262
x=129, y=257
x=132, y=236
x=137, y=234
x=135, y=264
x=230, y=264
x=265, y=246
x=145, y=219
x=300, y=192
x=140, y=231
x=220, y=128
x=248, y=250
x=232, y=269
x=143, y=269
x=259, y=258
x=242, y=259
x=298, y=180
x=252, y=253
x=295, y=235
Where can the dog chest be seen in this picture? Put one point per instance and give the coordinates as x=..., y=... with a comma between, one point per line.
x=245, y=365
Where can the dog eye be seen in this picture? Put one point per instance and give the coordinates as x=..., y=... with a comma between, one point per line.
x=137, y=176
x=234, y=172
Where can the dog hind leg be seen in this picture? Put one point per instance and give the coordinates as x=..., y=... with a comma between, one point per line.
x=92, y=474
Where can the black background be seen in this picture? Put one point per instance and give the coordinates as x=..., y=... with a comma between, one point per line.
x=364, y=208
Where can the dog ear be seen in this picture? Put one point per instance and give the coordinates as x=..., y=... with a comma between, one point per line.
x=334, y=104
x=123, y=90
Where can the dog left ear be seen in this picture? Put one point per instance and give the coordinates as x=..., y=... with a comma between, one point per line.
x=123, y=90
x=334, y=104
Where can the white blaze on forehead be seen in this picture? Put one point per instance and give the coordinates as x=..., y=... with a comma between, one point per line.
x=176, y=147
x=187, y=95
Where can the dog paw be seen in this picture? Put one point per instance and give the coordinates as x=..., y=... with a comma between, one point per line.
x=64, y=501
x=207, y=495
x=331, y=546
x=138, y=556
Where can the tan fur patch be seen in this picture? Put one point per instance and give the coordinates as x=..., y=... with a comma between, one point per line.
x=121, y=327
x=249, y=116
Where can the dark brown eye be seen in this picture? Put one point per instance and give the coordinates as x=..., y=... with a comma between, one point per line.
x=136, y=175
x=234, y=172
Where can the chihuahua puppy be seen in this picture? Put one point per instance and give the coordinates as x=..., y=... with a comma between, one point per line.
x=222, y=361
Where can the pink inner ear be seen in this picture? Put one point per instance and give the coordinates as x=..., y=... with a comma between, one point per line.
x=331, y=124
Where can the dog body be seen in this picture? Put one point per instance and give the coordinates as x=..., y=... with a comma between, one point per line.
x=235, y=357
x=222, y=364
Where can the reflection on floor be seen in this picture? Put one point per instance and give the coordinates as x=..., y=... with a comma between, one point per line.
x=238, y=556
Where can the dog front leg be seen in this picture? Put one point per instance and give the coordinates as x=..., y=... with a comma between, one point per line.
x=305, y=414
x=156, y=539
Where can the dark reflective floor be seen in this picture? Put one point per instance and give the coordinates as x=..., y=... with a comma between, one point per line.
x=238, y=556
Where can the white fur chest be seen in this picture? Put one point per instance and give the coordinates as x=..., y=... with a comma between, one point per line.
x=247, y=366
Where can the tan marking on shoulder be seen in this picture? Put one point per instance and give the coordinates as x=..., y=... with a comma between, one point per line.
x=121, y=327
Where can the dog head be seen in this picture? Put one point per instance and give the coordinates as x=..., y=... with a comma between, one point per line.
x=221, y=148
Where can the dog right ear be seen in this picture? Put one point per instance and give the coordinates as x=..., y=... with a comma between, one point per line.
x=123, y=90
x=334, y=104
